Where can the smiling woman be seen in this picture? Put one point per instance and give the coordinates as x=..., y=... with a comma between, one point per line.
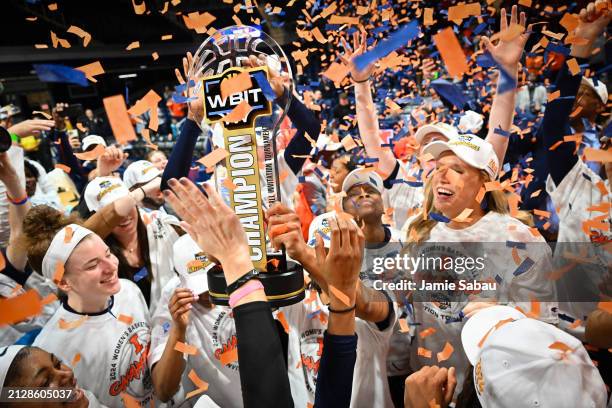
x=94, y=300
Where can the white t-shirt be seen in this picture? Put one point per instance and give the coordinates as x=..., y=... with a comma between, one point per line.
x=577, y=192
x=211, y=331
x=405, y=194
x=445, y=316
x=305, y=347
x=113, y=354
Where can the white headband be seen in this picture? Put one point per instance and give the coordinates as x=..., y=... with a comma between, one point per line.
x=7, y=355
x=60, y=250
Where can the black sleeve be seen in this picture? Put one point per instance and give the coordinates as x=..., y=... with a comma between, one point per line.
x=335, y=377
x=555, y=125
x=179, y=161
x=9, y=270
x=306, y=122
x=388, y=181
x=263, y=372
x=66, y=156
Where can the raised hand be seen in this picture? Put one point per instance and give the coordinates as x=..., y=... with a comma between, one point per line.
x=359, y=47
x=110, y=160
x=508, y=51
x=284, y=229
x=196, y=107
x=341, y=266
x=278, y=81
x=180, y=306
x=31, y=127
x=212, y=224
x=593, y=20
x=430, y=386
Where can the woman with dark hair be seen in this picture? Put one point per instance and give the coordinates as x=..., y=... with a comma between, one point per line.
x=33, y=367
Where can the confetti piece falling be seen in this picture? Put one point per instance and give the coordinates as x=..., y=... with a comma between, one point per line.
x=239, y=113
x=214, y=157
x=186, y=348
x=236, y=84
x=396, y=40
x=446, y=352
x=20, y=308
x=117, y=114
x=451, y=52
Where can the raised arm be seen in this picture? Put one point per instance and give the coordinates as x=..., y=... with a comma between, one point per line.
x=367, y=116
x=507, y=53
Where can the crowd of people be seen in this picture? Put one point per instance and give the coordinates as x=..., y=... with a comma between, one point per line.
x=105, y=253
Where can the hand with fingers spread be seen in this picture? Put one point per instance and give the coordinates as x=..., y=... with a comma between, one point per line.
x=593, y=20
x=180, y=306
x=111, y=160
x=196, y=107
x=508, y=52
x=212, y=224
x=430, y=386
x=31, y=127
x=341, y=266
x=278, y=81
x=359, y=47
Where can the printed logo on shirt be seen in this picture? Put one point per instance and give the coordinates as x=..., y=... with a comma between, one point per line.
x=224, y=337
x=311, y=349
x=128, y=367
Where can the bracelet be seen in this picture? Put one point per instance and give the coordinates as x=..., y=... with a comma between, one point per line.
x=253, y=273
x=16, y=202
x=362, y=81
x=248, y=288
x=350, y=309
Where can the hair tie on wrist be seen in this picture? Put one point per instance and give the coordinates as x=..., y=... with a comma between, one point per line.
x=350, y=309
x=360, y=82
x=17, y=202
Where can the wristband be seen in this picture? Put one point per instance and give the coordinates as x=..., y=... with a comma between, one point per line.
x=253, y=273
x=17, y=202
x=350, y=309
x=360, y=82
x=248, y=288
x=15, y=138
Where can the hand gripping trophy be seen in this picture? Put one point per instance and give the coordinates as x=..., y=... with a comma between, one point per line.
x=230, y=89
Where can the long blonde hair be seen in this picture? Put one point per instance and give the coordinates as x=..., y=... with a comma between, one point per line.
x=420, y=228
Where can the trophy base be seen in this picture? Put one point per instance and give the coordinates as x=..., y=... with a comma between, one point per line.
x=284, y=286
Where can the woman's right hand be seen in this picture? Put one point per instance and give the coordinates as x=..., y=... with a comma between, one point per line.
x=592, y=21
x=196, y=107
x=180, y=307
x=359, y=47
x=212, y=224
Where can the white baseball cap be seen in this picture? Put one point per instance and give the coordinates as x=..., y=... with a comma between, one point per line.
x=523, y=362
x=470, y=122
x=140, y=172
x=447, y=130
x=102, y=191
x=191, y=263
x=471, y=149
x=600, y=89
x=93, y=140
x=363, y=176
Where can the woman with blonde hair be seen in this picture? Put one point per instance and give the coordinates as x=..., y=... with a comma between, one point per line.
x=465, y=235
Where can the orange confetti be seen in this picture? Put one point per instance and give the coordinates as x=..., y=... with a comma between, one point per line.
x=558, y=345
x=166, y=37
x=198, y=22
x=427, y=332
x=186, y=348
x=239, y=113
x=446, y=352
x=68, y=234
x=604, y=156
x=81, y=33
x=451, y=52
x=569, y=22
x=52, y=7
x=117, y=114
x=349, y=143
x=75, y=359
x=283, y=321
x=129, y=401
x=553, y=95
x=573, y=66
x=526, y=3
x=133, y=45
x=20, y=308
x=428, y=17
x=403, y=326
x=63, y=167
x=214, y=157
x=236, y=84
x=336, y=72
x=423, y=352
x=463, y=217
x=462, y=11
x=227, y=183
x=92, y=154
x=341, y=296
x=125, y=319
x=605, y=306
x=480, y=195
x=139, y=8
x=50, y=298
x=65, y=325
x=41, y=46
x=155, y=56
x=59, y=272
x=229, y=356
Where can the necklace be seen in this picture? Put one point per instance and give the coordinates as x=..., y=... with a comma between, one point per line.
x=131, y=250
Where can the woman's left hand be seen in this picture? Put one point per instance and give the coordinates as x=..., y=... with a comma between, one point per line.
x=508, y=52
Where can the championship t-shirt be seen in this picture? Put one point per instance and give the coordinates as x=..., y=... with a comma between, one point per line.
x=212, y=332
x=108, y=352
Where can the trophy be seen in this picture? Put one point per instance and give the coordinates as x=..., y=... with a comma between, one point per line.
x=239, y=104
